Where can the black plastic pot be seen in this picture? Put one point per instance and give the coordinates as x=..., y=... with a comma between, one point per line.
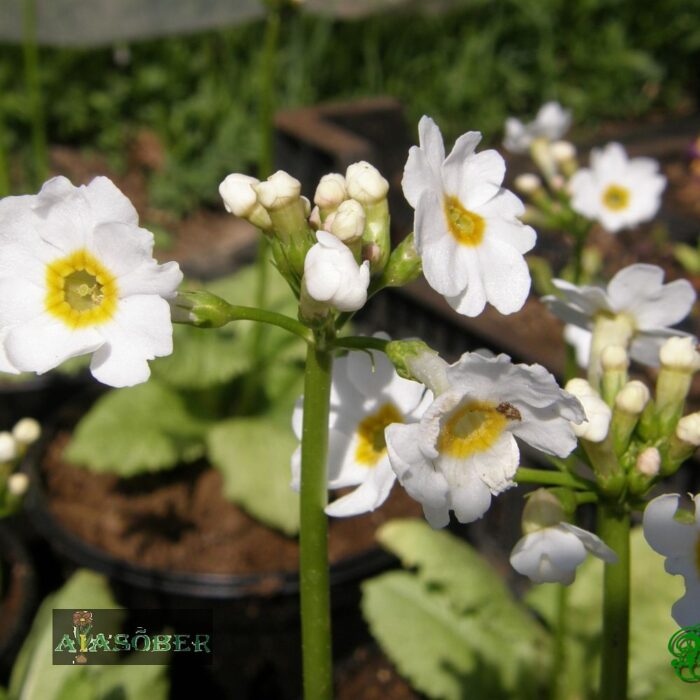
x=17, y=595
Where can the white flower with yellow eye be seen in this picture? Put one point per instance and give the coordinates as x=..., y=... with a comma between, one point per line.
x=466, y=228
x=616, y=191
x=551, y=123
x=77, y=276
x=463, y=451
x=679, y=542
x=364, y=401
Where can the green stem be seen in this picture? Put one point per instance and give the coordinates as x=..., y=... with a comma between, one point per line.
x=314, y=580
x=33, y=80
x=361, y=343
x=525, y=475
x=559, y=671
x=250, y=313
x=614, y=529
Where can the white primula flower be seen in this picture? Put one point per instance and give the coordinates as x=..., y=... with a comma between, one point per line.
x=332, y=275
x=466, y=228
x=364, y=401
x=552, y=554
x=616, y=191
x=680, y=543
x=551, y=123
x=77, y=276
x=635, y=311
x=463, y=451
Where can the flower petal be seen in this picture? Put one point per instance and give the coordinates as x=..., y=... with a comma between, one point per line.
x=108, y=202
x=505, y=275
x=368, y=496
x=664, y=534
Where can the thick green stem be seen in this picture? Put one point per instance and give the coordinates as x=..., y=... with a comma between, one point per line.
x=315, y=592
x=614, y=529
x=33, y=80
x=550, y=478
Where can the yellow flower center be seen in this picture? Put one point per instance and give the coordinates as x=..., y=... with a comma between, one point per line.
x=371, y=445
x=80, y=290
x=616, y=197
x=474, y=427
x=466, y=226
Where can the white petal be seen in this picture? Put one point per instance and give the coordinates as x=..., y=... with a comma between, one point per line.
x=418, y=176
x=686, y=610
x=20, y=301
x=5, y=364
x=431, y=143
x=513, y=233
x=437, y=516
x=505, y=275
x=664, y=534
x=45, y=342
x=471, y=500
x=592, y=543
x=67, y=222
x=121, y=247
x=472, y=300
x=109, y=203
x=368, y=496
x=580, y=339
x=141, y=330
x=479, y=180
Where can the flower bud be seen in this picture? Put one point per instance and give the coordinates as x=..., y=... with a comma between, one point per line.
x=404, y=264
x=688, y=429
x=542, y=509
x=348, y=221
x=648, y=462
x=315, y=218
x=527, y=183
x=8, y=447
x=17, y=484
x=307, y=206
x=563, y=151
x=365, y=183
x=614, y=358
x=632, y=398
x=614, y=361
x=682, y=444
x=628, y=407
x=241, y=199
x=417, y=361
x=332, y=276
x=680, y=354
x=26, y=431
x=598, y=414
x=279, y=190
x=331, y=191
x=201, y=308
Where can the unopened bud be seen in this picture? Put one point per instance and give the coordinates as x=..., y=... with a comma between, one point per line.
x=614, y=361
x=527, y=183
x=201, y=308
x=315, y=218
x=680, y=354
x=17, y=484
x=683, y=443
x=238, y=194
x=8, y=447
x=542, y=509
x=307, y=206
x=598, y=414
x=404, y=264
x=26, y=431
x=648, y=462
x=417, y=361
x=348, y=221
x=630, y=402
x=632, y=398
x=614, y=358
x=331, y=191
x=279, y=190
x=365, y=183
x=563, y=151
x=688, y=429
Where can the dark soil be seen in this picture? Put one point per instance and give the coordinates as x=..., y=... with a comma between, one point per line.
x=179, y=520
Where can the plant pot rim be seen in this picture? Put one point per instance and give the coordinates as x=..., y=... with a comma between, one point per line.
x=195, y=584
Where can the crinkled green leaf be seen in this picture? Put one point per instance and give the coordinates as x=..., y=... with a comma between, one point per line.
x=144, y=428
x=507, y=651
x=253, y=455
x=651, y=625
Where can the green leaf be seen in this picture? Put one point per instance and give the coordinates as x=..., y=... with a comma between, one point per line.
x=453, y=598
x=144, y=428
x=253, y=456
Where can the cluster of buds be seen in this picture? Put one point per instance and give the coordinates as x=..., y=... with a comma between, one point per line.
x=13, y=447
x=329, y=254
x=631, y=438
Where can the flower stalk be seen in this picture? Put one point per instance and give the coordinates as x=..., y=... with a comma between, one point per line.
x=313, y=558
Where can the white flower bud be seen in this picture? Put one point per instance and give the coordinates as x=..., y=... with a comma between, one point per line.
x=633, y=397
x=365, y=183
x=688, y=429
x=527, y=183
x=315, y=218
x=26, y=431
x=614, y=358
x=648, y=462
x=542, y=509
x=18, y=484
x=238, y=194
x=598, y=414
x=563, y=151
x=348, y=221
x=307, y=206
x=8, y=447
x=279, y=190
x=332, y=276
x=680, y=353
x=331, y=191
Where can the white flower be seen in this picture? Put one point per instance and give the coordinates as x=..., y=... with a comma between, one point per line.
x=466, y=227
x=552, y=554
x=77, y=276
x=332, y=275
x=363, y=402
x=679, y=543
x=598, y=413
x=635, y=311
x=463, y=451
x=617, y=192
x=551, y=123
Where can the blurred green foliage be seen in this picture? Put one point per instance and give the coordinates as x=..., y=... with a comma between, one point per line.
x=469, y=69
